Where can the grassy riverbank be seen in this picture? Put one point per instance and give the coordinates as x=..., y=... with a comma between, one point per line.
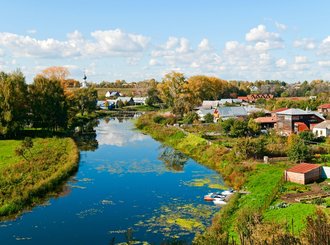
x=261, y=182
x=25, y=182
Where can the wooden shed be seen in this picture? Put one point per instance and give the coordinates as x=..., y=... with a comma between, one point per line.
x=303, y=173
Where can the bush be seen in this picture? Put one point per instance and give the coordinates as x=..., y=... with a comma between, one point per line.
x=208, y=118
x=190, y=117
x=159, y=119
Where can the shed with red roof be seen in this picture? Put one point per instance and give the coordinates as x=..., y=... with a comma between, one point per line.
x=303, y=173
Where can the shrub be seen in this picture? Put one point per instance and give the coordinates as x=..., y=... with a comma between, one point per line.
x=158, y=119
x=190, y=117
x=208, y=118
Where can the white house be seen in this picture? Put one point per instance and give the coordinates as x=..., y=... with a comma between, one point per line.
x=322, y=129
x=140, y=100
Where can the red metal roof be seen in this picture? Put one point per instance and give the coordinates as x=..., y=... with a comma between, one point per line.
x=303, y=168
x=324, y=106
x=301, y=126
x=279, y=110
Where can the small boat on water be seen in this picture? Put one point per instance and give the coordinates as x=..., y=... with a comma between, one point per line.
x=219, y=201
x=211, y=196
x=219, y=194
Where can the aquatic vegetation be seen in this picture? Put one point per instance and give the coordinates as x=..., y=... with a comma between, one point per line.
x=177, y=219
x=89, y=212
x=211, y=181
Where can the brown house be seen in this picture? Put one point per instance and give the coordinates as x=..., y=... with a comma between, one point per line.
x=303, y=173
x=296, y=120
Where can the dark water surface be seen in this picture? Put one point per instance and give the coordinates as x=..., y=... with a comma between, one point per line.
x=130, y=187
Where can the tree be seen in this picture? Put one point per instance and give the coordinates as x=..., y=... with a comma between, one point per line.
x=253, y=127
x=59, y=73
x=297, y=149
x=208, y=118
x=25, y=146
x=49, y=105
x=190, y=117
x=13, y=103
x=85, y=100
x=238, y=129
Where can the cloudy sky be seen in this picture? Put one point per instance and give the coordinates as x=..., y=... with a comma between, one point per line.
x=142, y=39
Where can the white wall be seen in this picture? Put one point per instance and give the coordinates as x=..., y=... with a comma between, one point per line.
x=325, y=172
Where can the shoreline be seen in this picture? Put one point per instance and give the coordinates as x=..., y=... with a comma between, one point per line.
x=27, y=184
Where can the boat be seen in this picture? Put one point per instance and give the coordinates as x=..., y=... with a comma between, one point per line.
x=212, y=195
x=219, y=201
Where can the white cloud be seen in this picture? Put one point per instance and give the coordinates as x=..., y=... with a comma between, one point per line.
x=281, y=63
x=324, y=48
x=103, y=43
x=305, y=43
x=280, y=26
x=259, y=34
x=324, y=63
x=204, y=45
x=300, y=59
x=31, y=31
x=263, y=39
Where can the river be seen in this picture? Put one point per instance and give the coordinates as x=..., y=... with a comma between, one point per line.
x=128, y=187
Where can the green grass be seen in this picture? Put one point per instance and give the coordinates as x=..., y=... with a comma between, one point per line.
x=290, y=187
x=297, y=212
x=7, y=152
x=25, y=183
x=263, y=185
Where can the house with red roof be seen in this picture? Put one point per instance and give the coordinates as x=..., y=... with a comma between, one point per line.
x=303, y=173
x=324, y=109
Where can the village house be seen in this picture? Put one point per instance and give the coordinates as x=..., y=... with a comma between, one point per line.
x=210, y=104
x=140, y=100
x=255, y=97
x=322, y=129
x=324, y=109
x=112, y=94
x=296, y=120
x=303, y=173
x=266, y=122
x=125, y=100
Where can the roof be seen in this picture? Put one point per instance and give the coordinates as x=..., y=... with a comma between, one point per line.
x=232, y=111
x=266, y=120
x=324, y=106
x=323, y=125
x=210, y=103
x=123, y=99
x=301, y=126
x=303, y=168
x=279, y=110
x=295, y=111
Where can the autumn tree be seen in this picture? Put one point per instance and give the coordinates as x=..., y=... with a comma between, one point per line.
x=59, y=73
x=13, y=103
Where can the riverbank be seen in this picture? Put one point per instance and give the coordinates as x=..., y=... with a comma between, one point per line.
x=244, y=213
x=25, y=182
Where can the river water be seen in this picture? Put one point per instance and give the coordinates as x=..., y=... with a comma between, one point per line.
x=128, y=187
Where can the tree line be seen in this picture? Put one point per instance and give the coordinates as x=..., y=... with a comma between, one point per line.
x=45, y=104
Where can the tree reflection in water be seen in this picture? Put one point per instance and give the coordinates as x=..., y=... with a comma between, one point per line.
x=174, y=160
x=85, y=136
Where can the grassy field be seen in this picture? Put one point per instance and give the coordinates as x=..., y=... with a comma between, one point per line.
x=24, y=183
x=295, y=214
x=7, y=152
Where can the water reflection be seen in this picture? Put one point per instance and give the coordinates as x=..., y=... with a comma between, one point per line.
x=173, y=160
x=110, y=132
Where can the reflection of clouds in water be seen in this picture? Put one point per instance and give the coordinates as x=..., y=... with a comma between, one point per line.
x=118, y=134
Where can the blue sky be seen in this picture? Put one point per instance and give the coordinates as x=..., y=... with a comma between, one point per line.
x=136, y=40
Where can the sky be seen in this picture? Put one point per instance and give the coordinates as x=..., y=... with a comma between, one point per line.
x=134, y=40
